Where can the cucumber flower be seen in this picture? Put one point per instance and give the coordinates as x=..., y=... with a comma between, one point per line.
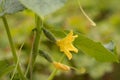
x=66, y=45
x=61, y=66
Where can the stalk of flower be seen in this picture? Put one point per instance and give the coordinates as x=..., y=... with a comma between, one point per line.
x=66, y=45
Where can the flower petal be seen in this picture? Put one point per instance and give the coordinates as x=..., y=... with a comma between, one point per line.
x=68, y=54
x=61, y=66
x=66, y=45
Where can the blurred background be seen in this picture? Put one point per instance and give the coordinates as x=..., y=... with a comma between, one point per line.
x=106, y=14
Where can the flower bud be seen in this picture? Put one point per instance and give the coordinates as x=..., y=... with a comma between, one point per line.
x=49, y=35
x=45, y=55
x=61, y=66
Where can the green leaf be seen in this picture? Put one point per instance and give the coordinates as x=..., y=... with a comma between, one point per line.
x=43, y=7
x=5, y=68
x=10, y=7
x=95, y=49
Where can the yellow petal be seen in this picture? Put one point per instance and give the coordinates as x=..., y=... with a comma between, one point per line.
x=68, y=54
x=66, y=45
x=61, y=66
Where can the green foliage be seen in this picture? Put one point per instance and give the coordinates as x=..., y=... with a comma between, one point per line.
x=43, y=7
x=10, y=7
x=98, y=58
x=95, y=49
x=5, y=68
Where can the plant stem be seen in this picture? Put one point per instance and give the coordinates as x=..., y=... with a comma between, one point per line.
x=12, y=47
x=55, y=70
x=34, y=51
x=87, y=17
x=16, y=63
x=39, y=25
x=52, y=74
x=10, y=38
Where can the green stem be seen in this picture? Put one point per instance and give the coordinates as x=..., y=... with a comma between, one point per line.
x=87, y=17
x=10, y=39
x=12, y=47
x=16, y=63
x=39, y=25
x=33, y=55
x=55, y=70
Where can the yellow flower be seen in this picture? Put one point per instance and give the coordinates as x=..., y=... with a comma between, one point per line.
x=61, y=66
x=66, y=45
